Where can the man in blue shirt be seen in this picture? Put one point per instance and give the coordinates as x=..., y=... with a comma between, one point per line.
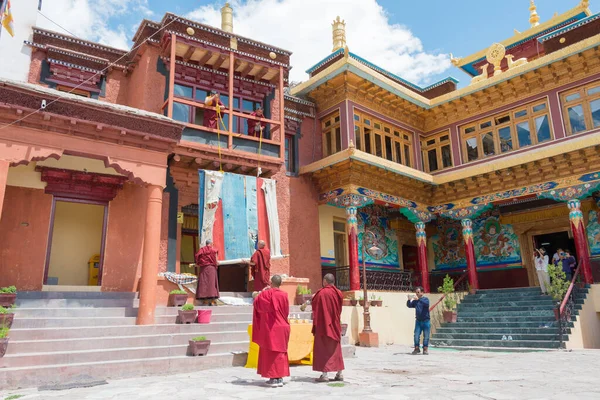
x=421, y=305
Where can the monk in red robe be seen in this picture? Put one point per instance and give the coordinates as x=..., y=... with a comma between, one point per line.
x=207, y=289
x=210, y=116
x=327, y=329
x=271, y=332
x=256, y=128
x=261, y=266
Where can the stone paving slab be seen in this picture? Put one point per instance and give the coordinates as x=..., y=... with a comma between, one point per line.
x=386, y=373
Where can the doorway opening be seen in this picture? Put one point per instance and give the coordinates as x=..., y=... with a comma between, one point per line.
x=76, y=243
x=340, y=248
x=554, y=241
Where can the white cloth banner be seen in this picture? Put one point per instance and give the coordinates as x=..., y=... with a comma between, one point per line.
x=213, y=181
x=273, y=217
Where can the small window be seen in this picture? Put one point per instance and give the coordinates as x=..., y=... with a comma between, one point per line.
x=521, y=113
x=503, y=119
x=539, y=107
x=524, y=134
x=396, y=133
x=406, y=137
x=339, y=226
x=505, y=136
x=432, y=159
x=571, y=97
x=337, y=118
x=327, y=124
x=357, y=137
x=470, y=129
x=388, y=148
x=407, y=155
x=593, y=90
x=485, y=125
x=183, y=91
x=595, y=109
x=367, y=121
x=444, y=138
x=386, y=129
x=472, y=152
x=446, y=157
x=356, y=117
x=489, y=148
x=377, y=126
x=430, y=142
x=576, y=119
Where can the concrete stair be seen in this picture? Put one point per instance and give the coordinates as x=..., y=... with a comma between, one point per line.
x=524, y=315
x=85, y=336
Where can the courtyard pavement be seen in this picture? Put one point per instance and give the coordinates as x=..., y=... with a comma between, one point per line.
x=385, y=373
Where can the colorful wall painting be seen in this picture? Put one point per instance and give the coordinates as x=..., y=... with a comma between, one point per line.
x=381, y=248
x=593, y=232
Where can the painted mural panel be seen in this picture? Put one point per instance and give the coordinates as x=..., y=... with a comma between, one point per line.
x=381, y=248
x=496, y=245
x=593, y=232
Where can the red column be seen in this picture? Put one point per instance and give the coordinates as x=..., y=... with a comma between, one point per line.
x=4, y=165
x=467, y=231
x=148, y=281
x=422, y=255
x=352, y=223
x=580, y=238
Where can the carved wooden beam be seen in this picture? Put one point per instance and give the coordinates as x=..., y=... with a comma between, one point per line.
x=189, y=53
x=261, y=73
x=247, y=70
x=207, y=56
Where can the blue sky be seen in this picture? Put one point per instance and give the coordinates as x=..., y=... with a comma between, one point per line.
x=407, y=37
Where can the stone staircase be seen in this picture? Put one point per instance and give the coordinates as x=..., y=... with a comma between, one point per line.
x=79, y=337
x=505, y=318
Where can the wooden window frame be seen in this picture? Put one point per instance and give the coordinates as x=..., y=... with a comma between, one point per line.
x=584, y=100
x=345, y=236
x=437, y=146
x=497, y=123
x=397, y=134
x=79, y=92
x=329, y=124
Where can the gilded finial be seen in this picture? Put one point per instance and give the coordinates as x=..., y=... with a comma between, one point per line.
x=584, y=4
x=339, y=34
x=534, y=18
x=455, y=60
x=516, y=32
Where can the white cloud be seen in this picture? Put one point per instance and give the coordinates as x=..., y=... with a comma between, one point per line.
x=90, y=19
x=304, y=27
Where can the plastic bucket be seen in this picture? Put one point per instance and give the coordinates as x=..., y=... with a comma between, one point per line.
x=204, y=316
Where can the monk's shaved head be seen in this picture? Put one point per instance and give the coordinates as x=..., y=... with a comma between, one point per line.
x=261, y=244
x=208, y=242
x=329, y=278
x=276, y=281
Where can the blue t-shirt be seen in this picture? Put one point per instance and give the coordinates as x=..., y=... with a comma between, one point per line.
x=421, y=307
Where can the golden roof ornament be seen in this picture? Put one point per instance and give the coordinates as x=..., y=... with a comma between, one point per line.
x=227, y=18
x=495, y=55
x=584, y=4
x=455, y=60
x=534, y=18
x=339, y=34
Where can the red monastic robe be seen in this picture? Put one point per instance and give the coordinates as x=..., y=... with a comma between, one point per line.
x=210, y=116
x=327, y=328
x=261, y=270
x=271, y=332
x=208, y=277
x=252, y=125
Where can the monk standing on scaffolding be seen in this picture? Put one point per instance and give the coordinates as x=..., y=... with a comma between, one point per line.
x=211, y=119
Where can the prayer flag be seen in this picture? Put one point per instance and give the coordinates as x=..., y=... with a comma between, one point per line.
x=6, y=17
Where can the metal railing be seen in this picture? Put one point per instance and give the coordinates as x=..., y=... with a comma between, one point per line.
x=567, y=307
x=400, y=281
x=461, y=289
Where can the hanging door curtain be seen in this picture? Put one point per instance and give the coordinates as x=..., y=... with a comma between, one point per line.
x=231, y=209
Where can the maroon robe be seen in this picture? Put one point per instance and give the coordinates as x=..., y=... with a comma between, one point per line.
x=252, y=125
x=271, y=332
x=208, y=277
x=210, y=116
x=261, y=270
x=327, y=328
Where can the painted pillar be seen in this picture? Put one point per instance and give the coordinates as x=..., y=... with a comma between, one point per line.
x=580, y=238
x=467, y=232
x=422, y=255
x=4, y=165
x=352, y=224
x=148, y=282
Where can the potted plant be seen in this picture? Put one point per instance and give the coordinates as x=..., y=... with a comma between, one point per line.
x=353, y=302
x=8, y=295
x=361, y=301
x=177, y=298
x=187, y=314
x=559, y=285
x=6, y=316
x=345, y=302
x=3, y=340
x=303, y=295
x=344, y=329
x=449, y=302
x=199, y=346
x=377, y=303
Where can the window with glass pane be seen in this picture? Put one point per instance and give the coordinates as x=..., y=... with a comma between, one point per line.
x=338, y=139
x=432, y=160
x=581, y=108
x=378, y=147
x=183, y=91
x=398, y=152
x=542, y=129
x=446, y=157
x=524, y=134
x=290, y=153
x=472, y=152
x=407, y=155
x=181, y=112
x=327, y=149
x=368, y=141
x=595, y=109
x=487, y=142
x=357, y=137
x=388, y=148
x=436, y=152
x=576, y=119
x=505, y=136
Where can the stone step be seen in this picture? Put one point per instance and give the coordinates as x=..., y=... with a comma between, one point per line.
x=543, y=344
x=516, y=301
x=468, y=308
x=494, y=336
x=533, y=289
x=508, y=296
x=124, y=330
x=505, y=319
x=510, y=324
x=99, y=355
x=111, y=342
x=69, y=303
x=33, y=295
x=446, y=329
x=548, y=313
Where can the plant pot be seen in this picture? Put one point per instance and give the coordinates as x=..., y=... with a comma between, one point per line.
x=303, y=298
x=377, y=303
x=353, y=302
x=344, y=329
x=361, y=303
x=3, y=346
x=7, y=299
x=199, y=348
x=177, y=300
x=449, y=316
x=346, y=302
x=187, y=317
x=6, y=320
x=204, y=316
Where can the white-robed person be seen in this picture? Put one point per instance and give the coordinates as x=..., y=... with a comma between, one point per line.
x=541, y=267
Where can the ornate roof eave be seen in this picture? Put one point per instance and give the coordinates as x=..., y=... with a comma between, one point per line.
x=72, y=39
x=529, y=33
x=353, y=66
x=569, y=27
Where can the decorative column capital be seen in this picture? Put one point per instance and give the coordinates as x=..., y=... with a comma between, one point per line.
x=467, y=229
x=351, y=219
x=575, y=215
x=421, y=234
x=351, y=200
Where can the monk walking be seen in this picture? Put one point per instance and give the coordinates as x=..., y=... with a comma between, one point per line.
x=207, y=289
x=327, y=329
x=261, y=266
x=271, y=332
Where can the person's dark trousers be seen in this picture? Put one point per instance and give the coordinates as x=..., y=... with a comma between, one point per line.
x=422, y=327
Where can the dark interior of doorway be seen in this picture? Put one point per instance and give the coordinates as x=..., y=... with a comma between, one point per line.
x=554, y=241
